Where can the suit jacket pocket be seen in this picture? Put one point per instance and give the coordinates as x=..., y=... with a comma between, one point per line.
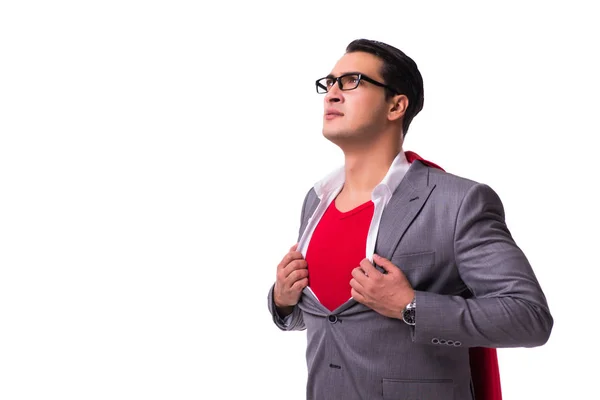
x=421, y=389
x=414, y=260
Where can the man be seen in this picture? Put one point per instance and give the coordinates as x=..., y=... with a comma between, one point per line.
x=400, y=267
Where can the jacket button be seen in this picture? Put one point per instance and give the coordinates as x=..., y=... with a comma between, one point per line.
x=332, y=318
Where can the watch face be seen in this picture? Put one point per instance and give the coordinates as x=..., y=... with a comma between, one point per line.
x=409, y=316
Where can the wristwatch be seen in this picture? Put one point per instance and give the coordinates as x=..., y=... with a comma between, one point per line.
x=408, y=314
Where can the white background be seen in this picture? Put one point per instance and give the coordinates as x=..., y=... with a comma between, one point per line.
x=154, y=156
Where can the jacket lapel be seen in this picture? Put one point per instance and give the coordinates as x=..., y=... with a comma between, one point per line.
x=406, y=203
x=312, y=202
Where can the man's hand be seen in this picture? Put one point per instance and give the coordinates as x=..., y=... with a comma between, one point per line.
x=292, y=277
x=387, y=294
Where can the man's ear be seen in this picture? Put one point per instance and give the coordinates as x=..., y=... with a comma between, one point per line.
x=398, y=106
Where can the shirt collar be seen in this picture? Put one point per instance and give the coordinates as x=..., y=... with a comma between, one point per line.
x=335, y=180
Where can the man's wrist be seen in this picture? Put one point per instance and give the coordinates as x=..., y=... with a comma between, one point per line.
x=284, y=311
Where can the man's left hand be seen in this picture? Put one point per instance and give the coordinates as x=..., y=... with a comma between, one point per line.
x=387, y=294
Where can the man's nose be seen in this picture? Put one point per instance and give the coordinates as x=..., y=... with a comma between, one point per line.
x=334, y=95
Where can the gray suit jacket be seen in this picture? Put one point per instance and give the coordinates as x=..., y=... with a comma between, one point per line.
x=474, y=287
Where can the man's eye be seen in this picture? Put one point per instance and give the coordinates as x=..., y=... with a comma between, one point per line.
x=350, y=80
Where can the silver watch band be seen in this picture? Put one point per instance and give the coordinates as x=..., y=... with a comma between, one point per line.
x=409, y=312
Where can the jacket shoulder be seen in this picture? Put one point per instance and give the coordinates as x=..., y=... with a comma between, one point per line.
x=449, y=182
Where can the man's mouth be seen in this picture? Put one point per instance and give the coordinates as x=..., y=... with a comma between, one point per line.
x=331, y=114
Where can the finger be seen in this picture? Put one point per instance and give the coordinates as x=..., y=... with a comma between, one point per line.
x=385, y=263
x=284, y=272
x=297, y=265
x=299, y=285
x=359, y=275
x=369, y=269
x=294, y=247
x=295, y=276
x=294, y=265
x=356, y=285
x=357, y=296
x=288, y=258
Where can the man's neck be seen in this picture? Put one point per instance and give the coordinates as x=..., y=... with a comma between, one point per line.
x=366, y=168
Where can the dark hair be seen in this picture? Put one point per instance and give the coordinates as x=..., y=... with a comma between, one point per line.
x=399, y=71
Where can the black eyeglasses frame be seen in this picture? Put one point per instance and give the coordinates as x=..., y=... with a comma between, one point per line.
x=361, y=77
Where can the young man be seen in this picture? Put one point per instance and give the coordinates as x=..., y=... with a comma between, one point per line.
x=400, y=267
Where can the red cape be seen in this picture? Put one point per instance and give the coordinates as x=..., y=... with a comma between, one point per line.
x=485, y=372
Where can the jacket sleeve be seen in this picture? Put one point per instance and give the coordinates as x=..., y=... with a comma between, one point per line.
x=294, y=321
x=508, y=307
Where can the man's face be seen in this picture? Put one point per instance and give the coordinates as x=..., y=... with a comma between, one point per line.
x=355, y=115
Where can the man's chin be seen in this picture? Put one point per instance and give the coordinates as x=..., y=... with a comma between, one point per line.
x=337, y=137
x=333, y=133
x=330, y=135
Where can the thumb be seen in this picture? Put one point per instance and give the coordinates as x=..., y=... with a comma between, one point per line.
x=294, y=247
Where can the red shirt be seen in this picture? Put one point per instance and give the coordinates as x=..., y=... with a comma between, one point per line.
x=337, y=246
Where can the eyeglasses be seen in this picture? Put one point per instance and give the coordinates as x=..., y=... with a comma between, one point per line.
x=346, y=82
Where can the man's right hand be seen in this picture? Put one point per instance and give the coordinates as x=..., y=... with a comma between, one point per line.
x=292, y=277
